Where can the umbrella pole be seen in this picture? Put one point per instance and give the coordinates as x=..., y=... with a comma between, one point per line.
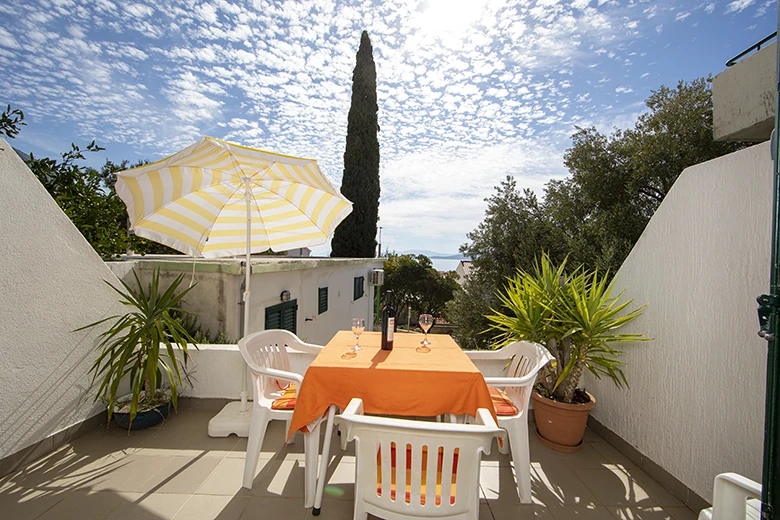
x=247, y=274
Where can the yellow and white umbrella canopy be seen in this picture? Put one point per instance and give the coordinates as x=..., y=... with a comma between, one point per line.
x=202, y=200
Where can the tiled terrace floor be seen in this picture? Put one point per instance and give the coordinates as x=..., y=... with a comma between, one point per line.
x=177, y=471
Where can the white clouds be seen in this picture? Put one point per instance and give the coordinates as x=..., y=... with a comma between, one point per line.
x=710, y=8
x=739, y=5
x=681, y=16
x=7, y=40
x=468, y=92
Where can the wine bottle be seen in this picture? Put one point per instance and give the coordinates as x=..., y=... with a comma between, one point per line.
x=388, y=322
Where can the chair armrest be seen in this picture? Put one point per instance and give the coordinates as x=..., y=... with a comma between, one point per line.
x=277, y=374
x=731, y=494
x=484, y=354
x=485, y=419
x=308, y=348
x=511, y=381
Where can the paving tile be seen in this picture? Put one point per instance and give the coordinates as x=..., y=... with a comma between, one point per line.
x=657, y=492
x=227, y=478
x=592, y=437
x=587, y=458
x=283, y=477
x=340, y=484
x=610, y=453
x=206, y=507
x=681, y=513
x=505, y=511
x=581, y=513
x=28, y=503
x=128, y=474
x=82, y=505
x=182, y=475
x=281, y=508
x=614, y=487
x=335, y=510
x=187, y=434
x=555, y=485
x=640, y=513
x=149, y=506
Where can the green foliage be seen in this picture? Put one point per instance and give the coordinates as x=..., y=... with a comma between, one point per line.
x=10, y=121
x=356, y=235
x=416, y=283
x=618, y=182
x=190, y=323
x=88, y=198
x=596, y=215
x=574, y=315
x=514, y=231
x=131, y=347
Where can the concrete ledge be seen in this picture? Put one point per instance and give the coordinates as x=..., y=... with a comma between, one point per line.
x=659, y=474
x=743, y=98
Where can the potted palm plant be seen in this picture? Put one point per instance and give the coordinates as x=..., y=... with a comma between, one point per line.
x=576, y=317
x=140, y=348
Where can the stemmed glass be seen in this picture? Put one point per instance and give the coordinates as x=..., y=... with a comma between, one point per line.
x=426, y=322
x=358, y=326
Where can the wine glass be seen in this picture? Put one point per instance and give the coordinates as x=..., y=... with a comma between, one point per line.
x=358, y=326
x=426, y=322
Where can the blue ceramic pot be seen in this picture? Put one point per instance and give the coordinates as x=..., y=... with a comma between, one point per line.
x=143, y=419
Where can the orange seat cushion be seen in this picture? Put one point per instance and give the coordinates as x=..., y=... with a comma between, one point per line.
x=287, y=400
x=502, y=403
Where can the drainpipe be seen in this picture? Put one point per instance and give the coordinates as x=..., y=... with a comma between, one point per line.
x=768, y=315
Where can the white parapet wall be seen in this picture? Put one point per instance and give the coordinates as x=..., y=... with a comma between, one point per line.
x=51, y=283
x=696, y=401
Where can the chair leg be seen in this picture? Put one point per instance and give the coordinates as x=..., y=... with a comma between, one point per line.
x=518, y=439
x=503, y=443
x=255, y=442
x=287, y=429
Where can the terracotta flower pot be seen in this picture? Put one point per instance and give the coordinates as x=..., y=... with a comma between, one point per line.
x=561, y=426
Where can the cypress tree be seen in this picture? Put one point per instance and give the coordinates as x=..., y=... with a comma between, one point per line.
x=356, y=236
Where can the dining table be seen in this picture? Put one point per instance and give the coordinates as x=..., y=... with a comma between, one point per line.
x=405, y=381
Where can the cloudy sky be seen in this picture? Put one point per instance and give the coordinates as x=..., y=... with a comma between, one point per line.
x=469, y=90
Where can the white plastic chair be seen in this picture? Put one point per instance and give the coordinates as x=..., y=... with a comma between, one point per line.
x=448, y=453
x=734, y=497
x=522, y=361
x=266, y=354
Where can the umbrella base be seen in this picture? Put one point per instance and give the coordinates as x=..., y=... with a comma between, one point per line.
x=230, y=420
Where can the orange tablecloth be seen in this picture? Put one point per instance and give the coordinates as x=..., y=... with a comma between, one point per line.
x=397, y=382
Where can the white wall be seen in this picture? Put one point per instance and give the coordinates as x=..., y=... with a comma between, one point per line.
x=303, y=285
x=215, y=298
x=696, y=402
x=51, y=282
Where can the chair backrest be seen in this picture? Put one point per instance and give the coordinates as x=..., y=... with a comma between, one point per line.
x=268, y=349
x=525, y=359
x=418, y=469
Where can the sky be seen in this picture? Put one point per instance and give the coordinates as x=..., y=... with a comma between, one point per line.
x=469, y=91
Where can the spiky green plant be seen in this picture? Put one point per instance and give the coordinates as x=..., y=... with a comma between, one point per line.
x=141, y=346
x=574, y=315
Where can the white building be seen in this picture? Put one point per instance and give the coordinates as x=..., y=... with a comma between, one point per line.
x=311, y=297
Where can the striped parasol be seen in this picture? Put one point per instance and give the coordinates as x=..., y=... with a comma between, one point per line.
x=202, y=200
x=217, y=198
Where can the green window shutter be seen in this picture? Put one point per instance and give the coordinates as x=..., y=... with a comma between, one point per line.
x=282, y=316
x=322, y=305
x=357, y=292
